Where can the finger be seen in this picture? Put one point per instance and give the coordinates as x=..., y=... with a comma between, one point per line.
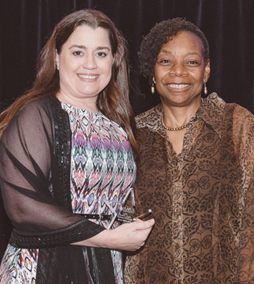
x=143, y=225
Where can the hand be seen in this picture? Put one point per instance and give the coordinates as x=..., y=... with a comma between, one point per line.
x=129, y=236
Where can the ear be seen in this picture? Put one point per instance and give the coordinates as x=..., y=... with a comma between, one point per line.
x=207, y=71
x=57, y=60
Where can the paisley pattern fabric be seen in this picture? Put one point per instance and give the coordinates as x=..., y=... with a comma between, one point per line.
x=202, y=199
x=19, y=265
x=103, y=171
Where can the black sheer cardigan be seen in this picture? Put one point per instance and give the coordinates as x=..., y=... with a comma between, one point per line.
x=35, y=184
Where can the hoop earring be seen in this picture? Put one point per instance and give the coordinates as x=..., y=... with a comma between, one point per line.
x=153, y=87
x=205, y=89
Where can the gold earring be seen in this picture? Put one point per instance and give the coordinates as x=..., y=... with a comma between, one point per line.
x=153, y=87
x=205, y=89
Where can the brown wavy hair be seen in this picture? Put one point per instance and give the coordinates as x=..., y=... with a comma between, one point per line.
x=113, y=101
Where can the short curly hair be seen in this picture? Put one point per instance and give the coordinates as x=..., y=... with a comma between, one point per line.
x=159, y=35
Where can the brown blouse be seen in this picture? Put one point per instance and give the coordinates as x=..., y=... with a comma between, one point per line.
x=202, y=199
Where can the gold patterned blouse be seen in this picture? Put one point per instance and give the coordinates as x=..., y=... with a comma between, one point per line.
x=202, y=199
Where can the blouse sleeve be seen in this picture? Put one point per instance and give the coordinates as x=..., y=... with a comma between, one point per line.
x=25, y=180
x=244, y=135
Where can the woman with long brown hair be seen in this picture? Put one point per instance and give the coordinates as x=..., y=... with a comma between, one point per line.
x=67, y=160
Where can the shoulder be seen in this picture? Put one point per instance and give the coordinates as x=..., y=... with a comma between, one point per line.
x=33, y=117
x=221, y=115
x=34, y=107
x=239, y=111
x=240, y=120
x=149, y=118
x=40, y=109
x=238, y=114
x=243, y=120
x=213, y=101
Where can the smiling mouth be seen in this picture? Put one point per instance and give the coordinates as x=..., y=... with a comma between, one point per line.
x=87, y=76
x=178, y=86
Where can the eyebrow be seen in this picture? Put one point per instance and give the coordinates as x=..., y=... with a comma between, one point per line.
x=169, y=52
x=83, y=47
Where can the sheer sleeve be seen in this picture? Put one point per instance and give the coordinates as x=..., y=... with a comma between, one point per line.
x=25, y=180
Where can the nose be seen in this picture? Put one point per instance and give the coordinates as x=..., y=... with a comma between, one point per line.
x=89, y=62
x=178, y=70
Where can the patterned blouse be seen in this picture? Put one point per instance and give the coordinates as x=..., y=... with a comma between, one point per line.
x=202, y=199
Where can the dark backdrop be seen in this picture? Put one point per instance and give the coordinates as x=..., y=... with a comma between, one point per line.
x=25, y=26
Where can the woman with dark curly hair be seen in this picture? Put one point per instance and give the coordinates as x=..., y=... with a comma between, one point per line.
x=195, y=168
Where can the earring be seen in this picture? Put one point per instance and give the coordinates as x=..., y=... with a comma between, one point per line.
x=57, y=65
x=153, y=87
x=205, y=89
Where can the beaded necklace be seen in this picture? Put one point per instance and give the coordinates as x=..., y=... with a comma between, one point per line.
x=173, y=128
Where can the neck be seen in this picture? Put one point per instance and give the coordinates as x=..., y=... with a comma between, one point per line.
x=82, y=103
x=177, y=118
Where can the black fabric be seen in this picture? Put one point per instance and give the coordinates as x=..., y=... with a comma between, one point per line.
x=101, y=265
x=5, y=228
x=39, y=209
x=61, y=154
x=65, y=265
x=25, y=26
x=26, y=169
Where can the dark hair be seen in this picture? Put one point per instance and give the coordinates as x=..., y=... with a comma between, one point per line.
x=159, y=35
x=113, y=101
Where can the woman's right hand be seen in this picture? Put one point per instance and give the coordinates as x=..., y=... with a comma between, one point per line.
x=129, y=236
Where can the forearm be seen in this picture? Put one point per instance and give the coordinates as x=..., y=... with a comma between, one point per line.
x=128, y=237
x=75, y=233
x=104, y=239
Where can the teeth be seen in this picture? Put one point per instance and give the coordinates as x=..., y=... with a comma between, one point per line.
x=87, y=76
x=178, y=86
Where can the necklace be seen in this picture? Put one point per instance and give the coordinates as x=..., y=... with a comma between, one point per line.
x=173, y=128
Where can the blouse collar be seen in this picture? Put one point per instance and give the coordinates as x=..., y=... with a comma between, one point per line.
x=210, y=111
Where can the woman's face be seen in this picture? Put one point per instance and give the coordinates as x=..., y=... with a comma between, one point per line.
x=85, y=64
x=180, y=70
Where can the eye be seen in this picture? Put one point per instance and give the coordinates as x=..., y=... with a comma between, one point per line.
x=102, y=54
x=77, y=53
x=164, y=62
x=192, y=62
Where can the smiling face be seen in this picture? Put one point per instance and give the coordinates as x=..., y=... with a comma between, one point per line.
x=180, y=70
x=85, y=64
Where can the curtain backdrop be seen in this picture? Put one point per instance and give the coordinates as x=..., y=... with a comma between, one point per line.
x=26, y=24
